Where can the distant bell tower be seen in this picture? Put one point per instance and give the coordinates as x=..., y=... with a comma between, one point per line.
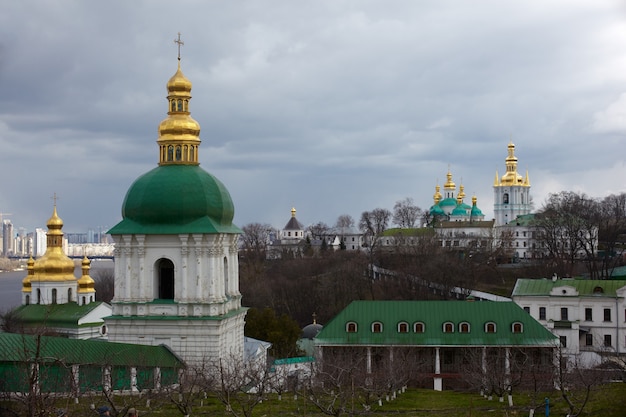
x=511, y=192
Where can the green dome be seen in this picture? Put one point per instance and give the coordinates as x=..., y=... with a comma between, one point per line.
x=174, y=199
x=459, y=211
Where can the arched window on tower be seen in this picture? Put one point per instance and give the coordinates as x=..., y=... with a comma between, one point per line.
x=178, y=153
x=38, y=296
x=180, y=105
x=27, y=299
x=505, y=198
x=170, y=153
x=173, y=106
x=165, y=279
x=54, y=296
x=69, y=295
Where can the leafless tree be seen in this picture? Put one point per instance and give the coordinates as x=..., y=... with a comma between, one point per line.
x=344, y=221
x=611, y=232
x=406, y=213
x=255, y=239
x=319, y=230
x=104, y=284
x=241, y=385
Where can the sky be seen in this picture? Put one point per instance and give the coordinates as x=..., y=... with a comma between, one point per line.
x=329, y=106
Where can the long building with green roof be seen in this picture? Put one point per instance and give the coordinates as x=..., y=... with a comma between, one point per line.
x=437, y=334
x=64, y=365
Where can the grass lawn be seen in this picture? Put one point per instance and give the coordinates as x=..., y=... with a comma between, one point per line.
x=608, y=400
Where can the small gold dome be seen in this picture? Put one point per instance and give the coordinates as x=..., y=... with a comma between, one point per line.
x=85, y=282
x=26, y=283
x=54, y=265
x=178, y=82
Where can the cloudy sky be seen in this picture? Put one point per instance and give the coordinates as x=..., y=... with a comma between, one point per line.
x=332, y=107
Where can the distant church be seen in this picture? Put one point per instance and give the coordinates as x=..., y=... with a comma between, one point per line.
x=53, y=300
x=511, y=192
x=176, y=252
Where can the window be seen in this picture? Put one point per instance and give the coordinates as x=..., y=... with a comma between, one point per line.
x=490, y=327
x=505, y=199
x=563, y=340
x=542, y=313
x=403, y=327
x=527, y=309
x=564, y=315
x=351, y=327
x=54, y=296
x=418, y=327
x=69, y=295
x=517, y=327
x=165, y=279
x=377, y=327
x=607, y=340
x=588, y=314
x=448, y=327
x=464, y=327
x=589, y=339
x=607, y=314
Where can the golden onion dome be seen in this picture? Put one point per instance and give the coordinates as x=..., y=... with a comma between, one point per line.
x=449, y=185
x=85, y=282
x=54, y=265
x=437, y=196
x=26, y=282
x=179, y=127
x=178, y=82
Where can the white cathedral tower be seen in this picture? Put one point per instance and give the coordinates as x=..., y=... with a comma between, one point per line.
x=511, y=192
x=176, y=253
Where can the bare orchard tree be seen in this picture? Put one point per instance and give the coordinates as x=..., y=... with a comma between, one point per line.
x=345, y=221
x=104, y=284
x=241, y=385
x=406, y=213
x=191, y=389
x=335, y=386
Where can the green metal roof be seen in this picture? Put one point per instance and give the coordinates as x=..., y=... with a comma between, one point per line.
x=585, y=287
x=55, y=315
x=23, y=348
x=433, y=314
x=174, y=199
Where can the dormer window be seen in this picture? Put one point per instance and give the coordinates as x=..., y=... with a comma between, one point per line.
x=418, y=327
x=517, y=327
x=464, y=327
x=490, y=327
x=448, y=327
x=377, y=327
x=351, y=327
x=403, y=327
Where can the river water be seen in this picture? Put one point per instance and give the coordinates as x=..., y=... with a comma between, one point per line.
x=11, y=283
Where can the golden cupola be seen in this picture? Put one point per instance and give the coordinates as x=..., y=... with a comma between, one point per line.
x=54, y=265
x=179, y=133
x=437, y=196
x=449, y=185
x=26, y=282
x=86, y=284
x=511, y=177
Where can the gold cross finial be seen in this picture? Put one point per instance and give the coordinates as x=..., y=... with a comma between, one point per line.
x=54, y=199
x=180, y=43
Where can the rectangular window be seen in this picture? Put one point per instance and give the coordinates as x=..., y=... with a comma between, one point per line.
x=563, y=340
x=527, y=309
x=589, y=339
x=542, y=313
x=607, y=340
x=607, y=314
x=588, y=314
x=564, y=315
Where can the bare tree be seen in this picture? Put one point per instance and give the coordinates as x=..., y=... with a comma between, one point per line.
x=319, y=230
x=241, y=385
x=406, y=213
x=255, y=239
x=611, y=232
x=104, y=284
x=344, y=221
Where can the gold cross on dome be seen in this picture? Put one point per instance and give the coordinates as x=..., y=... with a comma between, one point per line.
x=180, y=43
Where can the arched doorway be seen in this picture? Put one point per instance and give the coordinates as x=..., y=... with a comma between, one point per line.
x=165, y=279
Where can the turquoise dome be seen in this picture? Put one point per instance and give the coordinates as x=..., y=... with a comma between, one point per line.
x=172, y=199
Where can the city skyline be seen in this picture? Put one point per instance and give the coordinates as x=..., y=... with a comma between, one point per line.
x=329, y=107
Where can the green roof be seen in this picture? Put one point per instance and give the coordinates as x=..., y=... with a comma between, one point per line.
x=433, y=314
x=410, y=231
x=173, y=199
x=22, y=348
x=585, y=287
x=55, y=315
